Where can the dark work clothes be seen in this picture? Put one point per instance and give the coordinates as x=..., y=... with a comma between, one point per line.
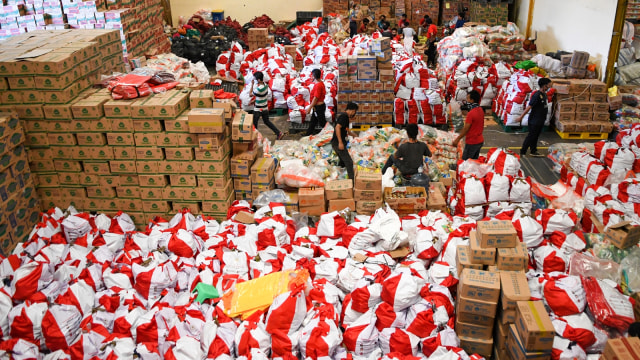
x=317, y=117
x=471, y=151
x=257, y=114
x=343, y=121
x=538, y=103
x=409, y=157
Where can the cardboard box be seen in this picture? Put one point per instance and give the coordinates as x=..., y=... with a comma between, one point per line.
x=368, y=180
x=312, y=210
x=178, y=125
x=341, y=204
x=183, y=180
x=498, y=234
x=242, y=127
x=477, y=346
x=516, y=350
x=242, y=184
x=206, y=120
x=471, y=318
x=147, y=167
x=622, y=348
x=201, y=99
x=211, y=141
x=155, y=206
x=474, y=306
x=534, y=326
x=478, y=254
x=229, y=107
x=171, y=193
x=436, y=201
x=463, y=259
x=479, y=285
x=623, y=235
x=339, y=189
x=513, y=259
x=152, y=180
x=515, y=287
x=475, y=331
x=566, y=107
x=308, y=197
x=149, y=153
x=217, y=206
x=367, y=195
x=263, y=170
x=241, y=164
x=397, y=197
x=218, y=193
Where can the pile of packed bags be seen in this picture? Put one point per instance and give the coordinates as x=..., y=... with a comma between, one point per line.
x=505, y=42
x=629, y=113
x=489, y=186
x=475, y=74
x=514, y=95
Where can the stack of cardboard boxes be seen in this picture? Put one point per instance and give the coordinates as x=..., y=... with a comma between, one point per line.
x=417, y=9
x=259, y=38
x=582, y=106
x=622, y=348
x=368, y=8
x=359, y=83
x=531, y=337
x=292, y=50
x=339, y=195
x=450, y=8
x=367, y=191
x=19, y=208
x=489, y=13
x=496, y=248
x=245, y=153
x=406, y=200
x=575, y=65
x=311, y=201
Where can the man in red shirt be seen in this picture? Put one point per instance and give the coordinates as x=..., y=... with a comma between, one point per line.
x=473, y=126
x=318, y=93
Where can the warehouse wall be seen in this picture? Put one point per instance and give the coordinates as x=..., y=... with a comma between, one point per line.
x=245, y=10
x=570, y=25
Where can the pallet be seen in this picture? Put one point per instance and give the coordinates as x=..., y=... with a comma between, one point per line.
x=582, y=135
x=279, y=112
x=514, y=129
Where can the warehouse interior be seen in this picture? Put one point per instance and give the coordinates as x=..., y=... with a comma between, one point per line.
x=320, y=179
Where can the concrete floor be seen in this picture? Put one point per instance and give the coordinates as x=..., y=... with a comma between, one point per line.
x=539, y=168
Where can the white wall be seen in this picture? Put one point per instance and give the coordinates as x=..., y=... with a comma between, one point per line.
x=584, y=25
x=245, y=10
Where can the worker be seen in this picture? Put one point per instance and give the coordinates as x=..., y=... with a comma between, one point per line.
x=408, y=157
x=353, y=24
x=339, y=141
x=538, y=107
x=423, y=22
x=386, y=32
x=261, y=108
x=318, y=93
x=408, y=32
x=394, y=35
x=363, y=26
x=432, y=31
x=473, y=126
x=403, y=21
x=461, y=19
x=381, y=22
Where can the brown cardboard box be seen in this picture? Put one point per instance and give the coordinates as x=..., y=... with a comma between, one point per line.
x=367, y=195
x=368, y=180
x=479, y=285
x=565, y=116
x=122, y=167
x=263, y=170
x=475, y=331
x=91, y=139
x=623, y=235
x=128, y=180
x=179, y=154
x=498, y=234
x=622, y=348
x=242, y=127
x=152, y=180
x=128, y=192
x=171, y=193
x=582, y=118
x=241, y=163
x=207, y=121
x=479, y=254
x=218, y=193
x=97, y=168
x=215, y=168
x=395, y=197
x=474, y=306
x=367, y=207
x=312, y=210
x=311, y=197
x=515, y=287
x=257, y=189
x=120, y=139
x=218, y=206
x=534, y=326
x=117, y=108
x=147, y=125
x=341, y=204
x=339, y=189
x=229, y=107
x=149, y=153
x=515, y=348
x=122, y=125
x=463, y=259
x=183, y=180
x=471, y=318
x=584, y=107
x=155, y=206
x=201, y=99
x=124, y=153
x=98, y=192
x=436, y=201
x=477, y=346
x=242, y=184
x=193, y=194
x=178, y=125
x=213, y=182
x=211, y=141
x=513, y=259
x=213, y=155
x=566, y=107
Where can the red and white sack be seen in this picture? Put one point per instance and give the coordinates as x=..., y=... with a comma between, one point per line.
x=621, y=160
x=556, y=220
x=572, y=243
x=473, y=191
x=529, y=230
x=401, y=291
x=608, y=306
x=445, y=338
x=252, y=334
x=565, y=295
x=366, y=295
x=520, y=190
x=218, y=340
x=331, y=225
x=186, y=348
x=236, y=263
x=117, y=348
x=601, y=147
x=19, y=349
x=25, y=321
x=287, y=312
x=426, y=246
x=120, y=278
x=597, y=174
x=549, y=259
x=421, y=319
x=151, y=280
x=361, y=337
x=31, y=278
x=6, y=305
x=320, y=339
x=61, y=326
x=184, y=244
x=580, y=329
x=399, y=112
x=497, y=187
x=386, y=317
x=80, y=295
x=564, y=349
x=399, y=340
x=505, y=163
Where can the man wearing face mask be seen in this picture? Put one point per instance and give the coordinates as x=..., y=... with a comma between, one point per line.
x=538, y=107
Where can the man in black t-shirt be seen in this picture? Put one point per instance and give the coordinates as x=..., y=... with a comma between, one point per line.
x=409, y=156
x=339, y=141
x=538, y=107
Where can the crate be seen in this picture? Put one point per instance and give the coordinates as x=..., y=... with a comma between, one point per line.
x=306, y=16
x=582, y=135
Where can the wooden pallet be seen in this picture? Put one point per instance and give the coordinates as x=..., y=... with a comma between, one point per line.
x=582, y=135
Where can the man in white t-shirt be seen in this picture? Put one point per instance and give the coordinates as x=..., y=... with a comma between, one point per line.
x=408, y=32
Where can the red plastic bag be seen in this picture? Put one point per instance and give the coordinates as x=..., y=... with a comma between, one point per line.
x=129, y=86
x=607, y=304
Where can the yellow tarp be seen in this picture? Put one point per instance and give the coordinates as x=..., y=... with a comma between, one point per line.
x=258, y=294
